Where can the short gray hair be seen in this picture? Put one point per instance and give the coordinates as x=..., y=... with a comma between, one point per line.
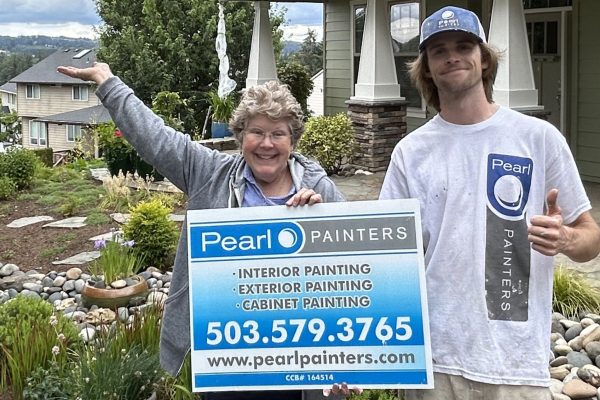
x=272, y=99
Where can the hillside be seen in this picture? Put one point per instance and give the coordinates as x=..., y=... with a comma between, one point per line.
x=33, y=45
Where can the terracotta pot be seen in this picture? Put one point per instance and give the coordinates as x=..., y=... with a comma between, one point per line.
x=113, y=298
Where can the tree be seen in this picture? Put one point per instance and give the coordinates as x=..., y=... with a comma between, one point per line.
x=10, y=127
x=169, y=45
x=12, y=65
x=310, y=54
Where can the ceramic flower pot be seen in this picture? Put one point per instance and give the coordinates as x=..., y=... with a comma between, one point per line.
x=113, y=298
x=220, y=130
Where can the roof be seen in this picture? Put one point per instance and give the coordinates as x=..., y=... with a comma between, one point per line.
x=84, y=116
x=45, y=70
x=9, y=87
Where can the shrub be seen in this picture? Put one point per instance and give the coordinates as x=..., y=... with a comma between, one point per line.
x=49, y=383
x=7, y=188
x=154, y=233
x=31, y=336
x=45, y=155
x=296, y=76
x=329, y=139
x=128, y=375
x=378, y=394
x=573, y=295
x=19, y=165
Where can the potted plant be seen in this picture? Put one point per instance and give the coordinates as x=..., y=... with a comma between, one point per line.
x=114, y=278
x=222, y=110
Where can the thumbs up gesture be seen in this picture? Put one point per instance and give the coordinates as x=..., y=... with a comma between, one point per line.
x=547, y=233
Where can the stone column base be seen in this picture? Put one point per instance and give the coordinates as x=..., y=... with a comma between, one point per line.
x=378, y=127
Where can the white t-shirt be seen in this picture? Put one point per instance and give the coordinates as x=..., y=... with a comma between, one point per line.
x=489, y=293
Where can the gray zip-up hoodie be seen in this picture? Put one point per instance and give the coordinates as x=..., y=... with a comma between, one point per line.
x=210, y=179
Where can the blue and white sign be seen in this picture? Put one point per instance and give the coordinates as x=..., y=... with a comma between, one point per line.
x=301, y=298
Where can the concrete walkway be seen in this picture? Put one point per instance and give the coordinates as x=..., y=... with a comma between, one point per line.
x=366, y=187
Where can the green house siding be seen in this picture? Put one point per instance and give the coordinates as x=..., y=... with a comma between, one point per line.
x=337, y=79
x=587, y=138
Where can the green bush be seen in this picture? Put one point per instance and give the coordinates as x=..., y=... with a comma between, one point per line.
x=155, y=235
x=19, y=165
x=296, y=76
x=49, y=383
x=573, y=295
x=7, y=188
x=378, y=394
x=31, y=336
x=330, y=140
x=45, y=155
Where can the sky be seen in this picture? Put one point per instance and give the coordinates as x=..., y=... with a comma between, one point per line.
x=77, y=18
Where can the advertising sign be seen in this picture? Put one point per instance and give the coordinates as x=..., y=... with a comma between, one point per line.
x=304, y=297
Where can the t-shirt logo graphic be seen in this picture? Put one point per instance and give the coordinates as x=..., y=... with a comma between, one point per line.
x=507, y=252
x=508, y=184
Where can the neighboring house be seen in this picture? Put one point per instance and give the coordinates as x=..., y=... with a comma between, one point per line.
x=8, y=96
x=56, y=109
x=315, y=100
x=557, y=70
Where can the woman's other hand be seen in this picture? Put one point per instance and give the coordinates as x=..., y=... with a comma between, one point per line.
x=98, y=73
x=304, y=196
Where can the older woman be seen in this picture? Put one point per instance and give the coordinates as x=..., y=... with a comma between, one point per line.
x=268, y=124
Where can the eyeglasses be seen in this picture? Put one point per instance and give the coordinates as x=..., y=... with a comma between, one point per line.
x=258, y=135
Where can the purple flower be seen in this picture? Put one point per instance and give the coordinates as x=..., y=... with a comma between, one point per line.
x=129, y=243
x=99, y=244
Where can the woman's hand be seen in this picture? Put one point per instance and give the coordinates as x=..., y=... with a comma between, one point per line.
x=303, y=197
x=98, y=73
x=341, y=390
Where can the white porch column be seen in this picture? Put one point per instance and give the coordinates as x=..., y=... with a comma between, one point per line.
x=514, y=86
x=262, y=58
x=377, y=79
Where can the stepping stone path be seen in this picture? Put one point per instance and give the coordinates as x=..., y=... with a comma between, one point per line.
x=79, y=222
x=123, y=218
x=21, y=222
x=79, y=259
x=109, y=236
x=69, y=223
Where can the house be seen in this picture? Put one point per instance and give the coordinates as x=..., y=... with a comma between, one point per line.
x=549, y=67
x=55, y=109
x=315, y=100
x=8, y=97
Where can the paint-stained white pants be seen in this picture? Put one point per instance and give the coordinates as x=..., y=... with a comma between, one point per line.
x=455, y=387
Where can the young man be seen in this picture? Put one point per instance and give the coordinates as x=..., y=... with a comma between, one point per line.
x=499, y=194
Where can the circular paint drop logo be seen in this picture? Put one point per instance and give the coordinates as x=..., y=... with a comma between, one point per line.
x=448, y=14
x=508, y=191
x=287, y=238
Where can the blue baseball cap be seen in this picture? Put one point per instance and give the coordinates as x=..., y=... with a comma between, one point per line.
x=451, y=19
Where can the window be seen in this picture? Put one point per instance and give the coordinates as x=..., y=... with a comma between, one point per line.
x=527, y=4
x=37, y=133
x=405, y=21
x=73, y=132
x=12, y=99
x=80, y=93
x=32, y=92
x=543, y=37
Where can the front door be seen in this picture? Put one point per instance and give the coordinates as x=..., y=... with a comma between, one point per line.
x=544, y=31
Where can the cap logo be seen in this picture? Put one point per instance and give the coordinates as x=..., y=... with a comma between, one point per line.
x=448, y=14
x=448, y=20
